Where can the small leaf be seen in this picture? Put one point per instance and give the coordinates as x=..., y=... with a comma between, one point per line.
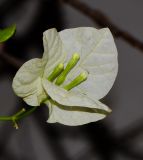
x=7, y=33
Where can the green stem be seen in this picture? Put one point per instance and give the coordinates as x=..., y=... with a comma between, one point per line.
x=5, y=118
x=27, y=113
x=19, y=115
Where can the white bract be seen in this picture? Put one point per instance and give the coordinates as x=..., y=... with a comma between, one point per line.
x=78, y=68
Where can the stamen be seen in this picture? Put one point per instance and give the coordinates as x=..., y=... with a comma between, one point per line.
x=78, y=80
x=56, y=72
x=73, y=61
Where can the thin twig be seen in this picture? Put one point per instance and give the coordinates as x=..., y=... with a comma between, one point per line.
x=7, y=58
x=98, y=17
x=132, y=131
x=102, y=20
x=19, y=115
x=16, y=63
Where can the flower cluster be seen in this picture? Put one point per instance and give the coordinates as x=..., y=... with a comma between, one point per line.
x=78, y=68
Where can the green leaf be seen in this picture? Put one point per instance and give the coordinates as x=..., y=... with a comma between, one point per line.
x=7, y=33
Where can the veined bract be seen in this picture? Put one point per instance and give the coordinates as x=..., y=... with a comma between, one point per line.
x=78, y=68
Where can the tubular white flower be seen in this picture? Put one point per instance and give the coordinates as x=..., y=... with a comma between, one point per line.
x=83, y=63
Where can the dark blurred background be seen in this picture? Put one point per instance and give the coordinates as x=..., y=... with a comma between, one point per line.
x=120, y=135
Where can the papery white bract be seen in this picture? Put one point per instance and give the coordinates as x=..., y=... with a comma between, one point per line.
x=72, y=108
x=98, y=59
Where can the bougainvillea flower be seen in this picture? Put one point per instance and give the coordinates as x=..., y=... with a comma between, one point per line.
x=78, y=68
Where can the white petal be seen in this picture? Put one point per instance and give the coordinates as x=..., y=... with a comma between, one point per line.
x=53, y=50
x=98, y=57
x=72, y=116
x=27, y=82
x=70, y=98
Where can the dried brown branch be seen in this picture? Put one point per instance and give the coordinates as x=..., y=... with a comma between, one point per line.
x=7, y=58
x=132, y=131
x=98, y=17
x=102, y=20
